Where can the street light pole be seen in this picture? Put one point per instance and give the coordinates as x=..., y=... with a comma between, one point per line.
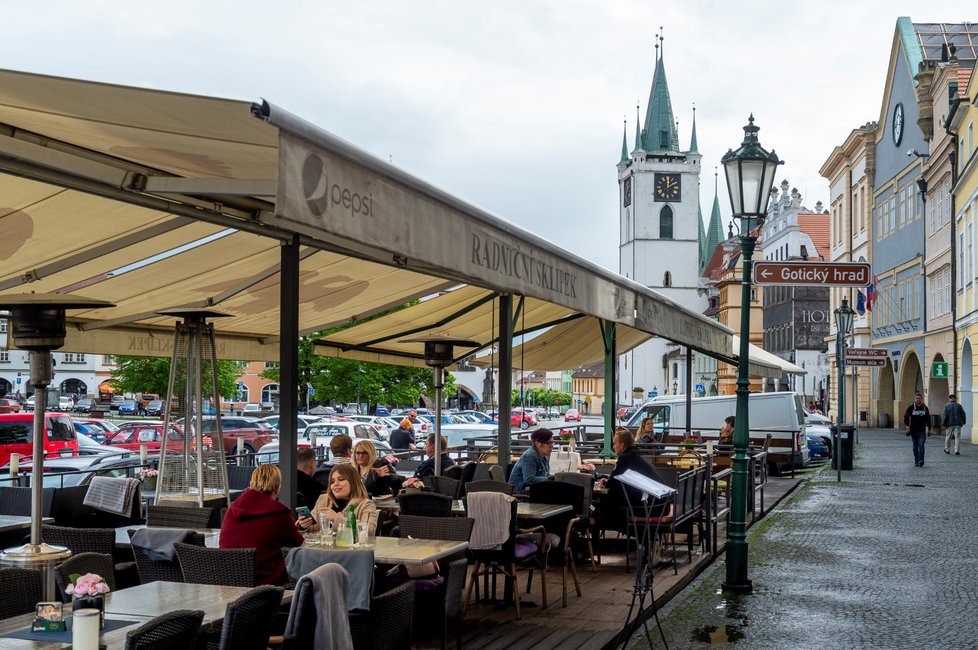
x=750, y=174
x=843, y=325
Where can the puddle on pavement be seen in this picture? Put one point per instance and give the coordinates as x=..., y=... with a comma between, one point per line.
x=717, y=634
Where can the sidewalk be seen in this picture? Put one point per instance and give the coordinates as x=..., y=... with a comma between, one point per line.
x=884, y=559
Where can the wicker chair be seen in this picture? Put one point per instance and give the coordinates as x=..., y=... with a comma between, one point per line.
x=444, y=485
x=178, y=629
x=100, y=563
x=425, y=504
x=248, y=621
x=80, y=540
x=488, y=486
x=388, y=624
x=22, y=590
x=586, y=481
x=158, y=516
x=497, y=473
x=563, y=493
x=300, y=630
x=233, y=567
x=168, y=571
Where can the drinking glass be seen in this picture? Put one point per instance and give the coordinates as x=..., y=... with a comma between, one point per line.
x=344, y=534
x=325, y=529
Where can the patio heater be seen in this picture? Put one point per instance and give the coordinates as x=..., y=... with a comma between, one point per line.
x=193, y=468
x=38, y=326
x=439, y=353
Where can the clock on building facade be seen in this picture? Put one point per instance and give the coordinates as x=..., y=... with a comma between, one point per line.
x=668, y=187
x=897, y=124
x=627, y=192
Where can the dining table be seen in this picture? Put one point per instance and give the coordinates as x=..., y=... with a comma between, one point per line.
x=530, y=510
x=395, y=550
x=13, y=522
x=155, y=598
x=114, y=636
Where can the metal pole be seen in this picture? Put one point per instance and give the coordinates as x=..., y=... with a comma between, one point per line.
x=736, y=577
x=40, y=362
x=840, y=351
x=439, y=381
x=505, y=396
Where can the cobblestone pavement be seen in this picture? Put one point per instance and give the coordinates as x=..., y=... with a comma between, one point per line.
x=885, y=559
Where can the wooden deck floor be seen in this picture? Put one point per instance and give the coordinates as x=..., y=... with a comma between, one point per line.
x=590, y=621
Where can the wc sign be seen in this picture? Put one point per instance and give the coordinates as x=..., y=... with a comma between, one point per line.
x=938, y=370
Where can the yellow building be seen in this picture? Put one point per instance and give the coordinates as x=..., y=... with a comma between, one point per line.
x=963, y=122
x=588, y=385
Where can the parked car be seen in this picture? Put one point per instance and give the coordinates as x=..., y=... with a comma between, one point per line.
x=154, y=408
x=817, y=448
x=137, y=434
x=253, y=431
x=83, y=405
x=98, y=436
x=517, y=419
x=130, y=407
x=381, y=411
x=251, y=408
x=116, y=402
x=64, y=404
x=481, y=416
x=29, y=403
x=79, y=470
x=269, y=453
x=303, y=421
x=17, y=435
x=106, y=426
x=572, y=415
x=9, y=406
x=374, y=421
x=625, y=413
x=88, y=446
x=145, y=399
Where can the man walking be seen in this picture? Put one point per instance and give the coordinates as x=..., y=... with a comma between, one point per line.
x=952, y=419
x=917, y=419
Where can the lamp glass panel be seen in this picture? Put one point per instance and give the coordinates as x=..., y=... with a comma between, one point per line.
x=731, y=170
x=751, y=182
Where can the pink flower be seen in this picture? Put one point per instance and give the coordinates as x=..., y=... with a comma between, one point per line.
x=90, y=584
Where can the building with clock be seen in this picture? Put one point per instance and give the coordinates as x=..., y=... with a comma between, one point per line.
x=662, y=237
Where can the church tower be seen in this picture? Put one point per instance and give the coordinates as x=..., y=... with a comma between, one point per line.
x=662, y=233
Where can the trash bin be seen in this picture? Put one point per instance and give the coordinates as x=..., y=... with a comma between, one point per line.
x=935, y=422
x=885, y=421
x=845, y=445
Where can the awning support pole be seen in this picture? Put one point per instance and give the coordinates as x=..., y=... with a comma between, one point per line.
x=289, y=370
x=505, y=377
x=610, y=386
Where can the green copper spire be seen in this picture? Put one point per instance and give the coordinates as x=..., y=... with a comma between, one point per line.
x=624, y=143
x=714, y=232
x=638, y=129
x=701, y=237
x=659, y=135
x=692, y=142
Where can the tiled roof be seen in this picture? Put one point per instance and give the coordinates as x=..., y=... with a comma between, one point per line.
x=964, y=75
x=594, y=370
x=816, y=226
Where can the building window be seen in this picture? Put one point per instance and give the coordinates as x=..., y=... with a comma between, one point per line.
x=3, y=325
x=935, y=206
x=4, y=356
x=911, y=203
x=667, y=279
x=269, y=394
x=971, y=253
x=893, y=212
x=665, y=223
x=71, y=357
x=947, y=291
x=947, y=202
x=961, y=259
x=903, y=206
x=108, y=360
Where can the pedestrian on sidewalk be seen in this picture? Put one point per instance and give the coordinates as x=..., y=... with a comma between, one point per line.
x=917, y=420
x=952, y=419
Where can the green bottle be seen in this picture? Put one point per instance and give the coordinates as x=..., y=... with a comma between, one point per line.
x=351, y=520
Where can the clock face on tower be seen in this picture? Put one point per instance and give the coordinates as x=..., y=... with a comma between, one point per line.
x=897, y=124
x=667, y=187
x=627, y=192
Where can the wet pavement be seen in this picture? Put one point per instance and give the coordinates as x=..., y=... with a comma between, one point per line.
x=885, y=559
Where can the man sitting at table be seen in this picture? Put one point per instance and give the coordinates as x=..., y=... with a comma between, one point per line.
x=257, y=520
x=341, y=448
x=534, y=465
x=427, y=467
x=308, y=488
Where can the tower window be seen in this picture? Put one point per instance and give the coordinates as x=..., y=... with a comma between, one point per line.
x=663, y=139
x=665, y=223
x=667, y=279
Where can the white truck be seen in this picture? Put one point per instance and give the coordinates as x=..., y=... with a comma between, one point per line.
x=781, y=414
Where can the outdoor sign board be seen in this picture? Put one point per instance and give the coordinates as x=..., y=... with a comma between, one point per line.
x=938, y=370
x=825, y=274
x=866, y=357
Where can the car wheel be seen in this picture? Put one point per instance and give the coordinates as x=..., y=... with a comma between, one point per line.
x=524, y=424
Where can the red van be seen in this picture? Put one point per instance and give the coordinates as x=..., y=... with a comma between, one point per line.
x=17, y=435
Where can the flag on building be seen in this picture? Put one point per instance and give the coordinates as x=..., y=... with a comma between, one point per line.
x=860, y=303
x=871, y=293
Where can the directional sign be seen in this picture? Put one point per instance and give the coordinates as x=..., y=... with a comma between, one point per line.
x=865, y=353
x=826, y=274
x=865, y=361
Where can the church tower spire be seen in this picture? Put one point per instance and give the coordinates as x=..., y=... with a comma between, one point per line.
x=714, y=232
x=659, y=135
x=624, y=142
x=692, y=141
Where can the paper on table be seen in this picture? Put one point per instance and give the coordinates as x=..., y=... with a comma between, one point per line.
x=645, y=484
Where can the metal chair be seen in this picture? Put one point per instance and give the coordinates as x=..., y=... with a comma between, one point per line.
x=160, y=516
x=82, y=563
x=22, y=590
x=388, y=624
x=248, y=621
x=167, y=571
x=425, y=504
x=488, y=486
x=233, y=567
x=178, y=629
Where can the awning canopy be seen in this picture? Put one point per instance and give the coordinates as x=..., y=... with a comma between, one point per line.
x=154, y=200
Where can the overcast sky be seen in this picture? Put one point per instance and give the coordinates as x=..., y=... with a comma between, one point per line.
x=513, y=105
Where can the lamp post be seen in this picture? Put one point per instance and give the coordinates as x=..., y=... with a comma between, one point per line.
x=843, y=326
x=750, y=174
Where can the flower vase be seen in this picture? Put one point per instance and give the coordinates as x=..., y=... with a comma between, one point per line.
x=91, y=602
x=149, y=484
x=572, y=445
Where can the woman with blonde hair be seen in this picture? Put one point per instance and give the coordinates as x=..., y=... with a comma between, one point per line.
x=345, y=492
x=378, y=476
x=257, y=520
x=646, y=431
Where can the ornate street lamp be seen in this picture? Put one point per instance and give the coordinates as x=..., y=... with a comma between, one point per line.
x=750, y=175
x=844, y=316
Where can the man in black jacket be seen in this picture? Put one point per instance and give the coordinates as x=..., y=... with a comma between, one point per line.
x=628, y=458
x=308, y=488
x=917, y=420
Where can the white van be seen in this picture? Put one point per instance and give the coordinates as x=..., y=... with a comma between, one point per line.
x=780, y=414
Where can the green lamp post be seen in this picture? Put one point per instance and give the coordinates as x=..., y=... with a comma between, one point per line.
x=750, y=174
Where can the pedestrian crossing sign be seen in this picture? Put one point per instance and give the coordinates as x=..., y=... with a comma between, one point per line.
x=938, y=370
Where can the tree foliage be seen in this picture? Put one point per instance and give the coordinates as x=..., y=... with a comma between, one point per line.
x=152, y=375
x=541, y=397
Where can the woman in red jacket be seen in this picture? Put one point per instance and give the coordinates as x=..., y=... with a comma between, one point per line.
x=256, y=520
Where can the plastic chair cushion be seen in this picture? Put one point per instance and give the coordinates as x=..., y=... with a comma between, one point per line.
x=429, y=584
x=525, y=549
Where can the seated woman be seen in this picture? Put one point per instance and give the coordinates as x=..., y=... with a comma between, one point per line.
x=378, y=475
x=257, y=520
x=345, y=492
x=534, y=465
x=726, y=433
x=646, y=432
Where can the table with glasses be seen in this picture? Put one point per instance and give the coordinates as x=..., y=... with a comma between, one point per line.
x=395, y=550
x=156, y=598
x=212, y=536
x=113, y=638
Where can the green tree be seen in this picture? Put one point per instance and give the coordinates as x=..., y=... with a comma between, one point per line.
x=152, y=375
